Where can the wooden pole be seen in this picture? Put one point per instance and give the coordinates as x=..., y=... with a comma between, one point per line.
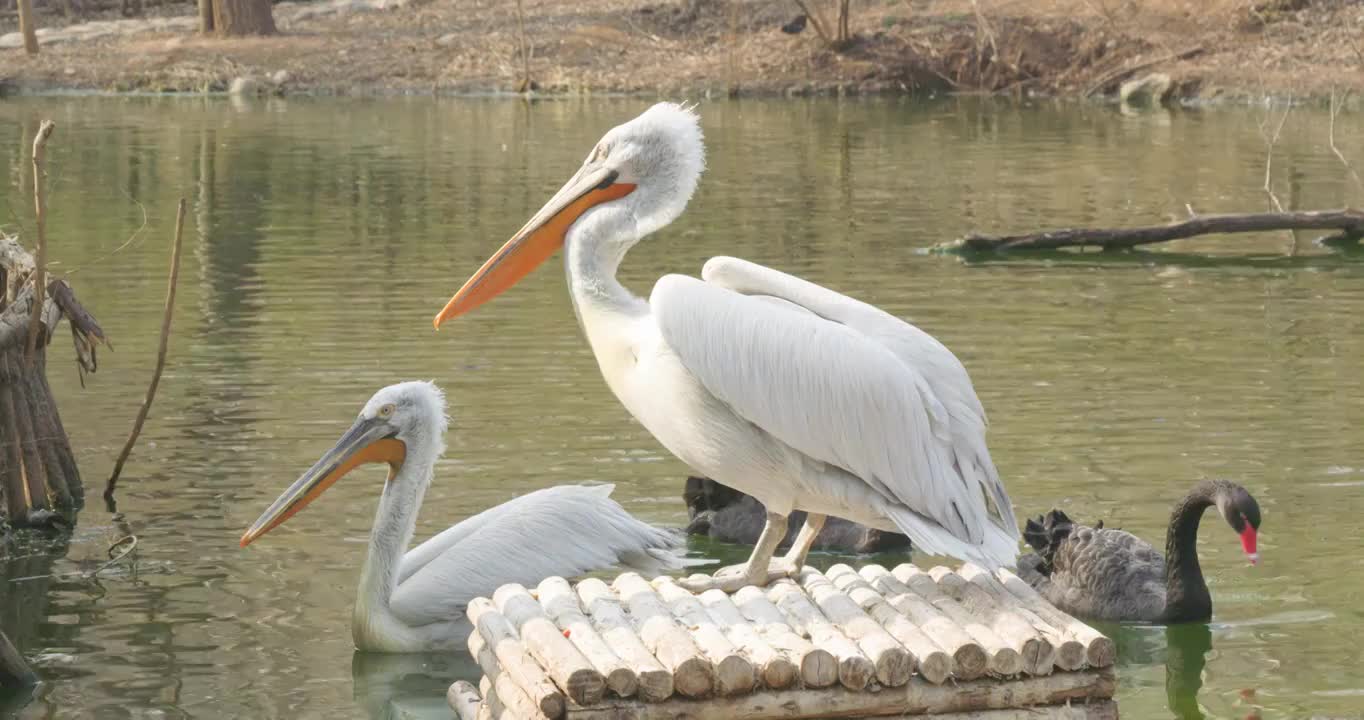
x=774, y=667
x=818, y=667
x=547, y=644
x=665, y=638
x=970, y=659
x=914, y=698
x=855, y=670
x=1039, y=656
x=1100, y=651
x=734, y=674
x=893, y=663
x=27, y=27
x=1070, y=652
x=160, y=357
x=497, y=633
x=1004, y=659
x=464, y=700
x=502, y=690
x=610, y=620
x=40, y=224
x=557, y=598
x=934, y=665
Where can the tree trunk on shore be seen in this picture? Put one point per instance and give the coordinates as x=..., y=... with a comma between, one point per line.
x=38, y=475
x=233, y=18
x=27, y=27
x=205, y=16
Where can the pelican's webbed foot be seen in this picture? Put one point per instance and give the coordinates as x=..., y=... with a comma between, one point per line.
x=731, y=579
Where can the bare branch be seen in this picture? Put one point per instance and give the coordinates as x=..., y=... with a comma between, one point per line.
x=40, y=259
x=160, y=358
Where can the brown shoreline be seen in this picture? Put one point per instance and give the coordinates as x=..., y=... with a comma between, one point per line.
x=1226, y=50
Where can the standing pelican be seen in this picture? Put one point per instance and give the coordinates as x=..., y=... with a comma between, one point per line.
x=799, y=396
x=414, y=601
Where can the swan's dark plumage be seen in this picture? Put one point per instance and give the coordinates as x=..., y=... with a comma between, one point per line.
x=725, y=514
x=1109, y=574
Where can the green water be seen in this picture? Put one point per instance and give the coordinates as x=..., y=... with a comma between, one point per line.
x=323, y=235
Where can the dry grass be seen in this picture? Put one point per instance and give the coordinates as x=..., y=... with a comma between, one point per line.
x=671, y=46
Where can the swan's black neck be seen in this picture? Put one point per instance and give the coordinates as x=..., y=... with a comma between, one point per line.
x=1186, y=593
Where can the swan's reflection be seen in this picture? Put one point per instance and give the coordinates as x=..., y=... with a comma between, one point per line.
x=1186, y=653
x=408, y=686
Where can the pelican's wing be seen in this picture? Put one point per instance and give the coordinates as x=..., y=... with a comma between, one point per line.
x=567, y=530
x=848, y=385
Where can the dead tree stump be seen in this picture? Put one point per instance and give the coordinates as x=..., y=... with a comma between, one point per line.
x=39, y=480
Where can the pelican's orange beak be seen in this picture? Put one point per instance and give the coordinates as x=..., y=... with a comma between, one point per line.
x=539, y=239
x=369, y=440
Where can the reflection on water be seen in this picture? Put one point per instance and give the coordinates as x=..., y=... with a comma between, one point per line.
x=325, y=234
x=408, y=686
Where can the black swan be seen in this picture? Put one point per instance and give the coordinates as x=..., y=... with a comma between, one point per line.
x=725, y=514
x=1109, y=574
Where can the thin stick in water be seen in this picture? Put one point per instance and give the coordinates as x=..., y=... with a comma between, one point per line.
x=160, y=358
x=40, y=260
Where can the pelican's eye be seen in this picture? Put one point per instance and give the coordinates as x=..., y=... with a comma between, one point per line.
x=599, y=154
x=386, y=411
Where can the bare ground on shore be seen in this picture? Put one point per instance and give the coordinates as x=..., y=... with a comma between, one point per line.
x=1209, y=48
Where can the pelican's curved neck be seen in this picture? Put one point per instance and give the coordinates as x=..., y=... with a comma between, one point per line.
x=593, y=251
x=394, y=524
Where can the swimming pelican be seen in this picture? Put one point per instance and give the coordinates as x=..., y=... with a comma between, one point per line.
x=414, y=601
x=795, y=394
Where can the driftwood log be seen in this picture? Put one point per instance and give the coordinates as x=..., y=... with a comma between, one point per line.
x=1348, y=224
x=39, y=480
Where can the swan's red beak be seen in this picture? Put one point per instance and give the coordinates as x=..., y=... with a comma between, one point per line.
x=1248, y=544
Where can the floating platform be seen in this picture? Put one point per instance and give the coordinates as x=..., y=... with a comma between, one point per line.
x=847, y=643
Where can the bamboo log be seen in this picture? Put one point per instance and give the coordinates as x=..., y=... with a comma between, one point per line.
x=664, y=637
x=1099, y=650
x=894, y=664
x=1101, y=710
x=733, y=672
x=558, y=600
x=608, y=618
x=1349, y=221
x=569, y=668
x=500, y=683
x=855, y=670
x=934, y=665
x=1004, y=660
x=775, y=668
x=818, y=667
x=464, y=699
x=1070, y=652
x=970, y=659
x=512, y=657
x=1039, y=657
x=916, y=697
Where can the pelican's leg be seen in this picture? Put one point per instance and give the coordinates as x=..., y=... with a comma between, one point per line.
x=753, y=572
x=795, y=557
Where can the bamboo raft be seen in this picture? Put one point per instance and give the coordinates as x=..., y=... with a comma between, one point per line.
x=846, y=643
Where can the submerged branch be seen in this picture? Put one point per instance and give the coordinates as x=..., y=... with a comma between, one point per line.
x=1349, y=222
